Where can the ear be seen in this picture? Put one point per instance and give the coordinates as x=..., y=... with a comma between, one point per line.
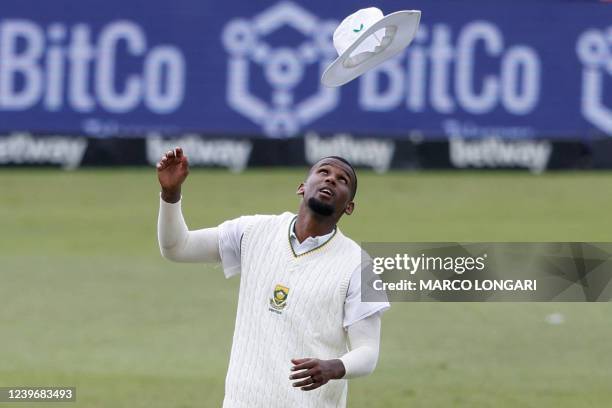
x=350, y=207
x=300, y=190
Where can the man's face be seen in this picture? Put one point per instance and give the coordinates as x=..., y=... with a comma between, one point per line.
x=328, y=188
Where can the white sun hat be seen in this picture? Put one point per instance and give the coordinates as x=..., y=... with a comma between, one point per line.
x=367, y=38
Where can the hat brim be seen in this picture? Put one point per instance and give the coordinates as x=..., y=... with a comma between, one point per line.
x=407, y=23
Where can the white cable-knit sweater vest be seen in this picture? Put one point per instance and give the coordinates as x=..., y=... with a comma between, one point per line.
x=289, y=307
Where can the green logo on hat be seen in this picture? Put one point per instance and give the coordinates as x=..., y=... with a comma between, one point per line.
x=358, y=29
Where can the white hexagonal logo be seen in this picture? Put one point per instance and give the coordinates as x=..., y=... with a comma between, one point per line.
x=282, y=67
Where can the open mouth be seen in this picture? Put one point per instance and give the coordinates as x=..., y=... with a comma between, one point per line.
x=326, y=192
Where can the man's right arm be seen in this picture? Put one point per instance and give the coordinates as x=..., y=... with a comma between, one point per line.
x=176, y=242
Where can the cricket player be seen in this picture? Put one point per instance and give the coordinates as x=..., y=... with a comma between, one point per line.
x=301, y=329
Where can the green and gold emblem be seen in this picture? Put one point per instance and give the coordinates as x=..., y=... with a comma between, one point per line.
x=278, y=301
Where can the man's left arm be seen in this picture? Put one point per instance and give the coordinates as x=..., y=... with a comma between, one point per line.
x=364, y=341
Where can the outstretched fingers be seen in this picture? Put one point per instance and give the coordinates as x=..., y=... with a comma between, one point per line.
x=309, y=372
x=303, y=383
x=302, y=363
x=311, y=387
x=303, y=374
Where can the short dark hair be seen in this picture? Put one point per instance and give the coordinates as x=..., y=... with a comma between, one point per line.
x=343, y=160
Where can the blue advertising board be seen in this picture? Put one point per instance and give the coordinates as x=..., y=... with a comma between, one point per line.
x=243, y=67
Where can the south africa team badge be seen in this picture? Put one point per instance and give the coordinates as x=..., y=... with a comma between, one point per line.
x=278, y=301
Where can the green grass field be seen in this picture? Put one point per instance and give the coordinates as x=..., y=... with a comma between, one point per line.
x=88, y=301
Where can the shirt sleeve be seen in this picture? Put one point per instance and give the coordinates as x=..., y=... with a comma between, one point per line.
x=177, y=243
x=356, y=310
x=230, y=237
x=364, y=344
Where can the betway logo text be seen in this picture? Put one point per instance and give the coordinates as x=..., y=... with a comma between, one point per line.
x=201, y=152
x=374, y=153
x=23, y=148
x=494, y=152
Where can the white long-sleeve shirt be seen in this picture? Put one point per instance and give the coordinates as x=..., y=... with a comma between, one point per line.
x=222, y=244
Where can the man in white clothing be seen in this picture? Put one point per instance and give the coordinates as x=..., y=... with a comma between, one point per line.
x=300, y=323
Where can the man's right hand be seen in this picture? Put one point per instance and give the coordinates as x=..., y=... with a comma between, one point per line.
x=172, y=170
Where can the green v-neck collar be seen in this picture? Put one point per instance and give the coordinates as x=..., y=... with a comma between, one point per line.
x=311, y=250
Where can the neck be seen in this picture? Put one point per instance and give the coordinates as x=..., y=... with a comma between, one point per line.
x=310, y=224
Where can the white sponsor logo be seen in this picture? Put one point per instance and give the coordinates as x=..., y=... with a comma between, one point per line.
x=225, y=153
x=455, y=128
x=283, y=68
x=594, y=49
x=60, y=65
x=495, y=152
x=439, y=74
x=374, y=153
x=23, y=148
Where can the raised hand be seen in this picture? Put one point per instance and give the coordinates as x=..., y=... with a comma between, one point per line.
x=172, y=170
